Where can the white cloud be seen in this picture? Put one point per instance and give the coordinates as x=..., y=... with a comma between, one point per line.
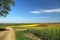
x=46, y=11
x=35, y=12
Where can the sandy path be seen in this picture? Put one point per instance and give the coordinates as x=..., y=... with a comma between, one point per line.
x=8, y=35
x=3, y=34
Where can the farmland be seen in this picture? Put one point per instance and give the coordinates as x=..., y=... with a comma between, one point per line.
x=41, y=31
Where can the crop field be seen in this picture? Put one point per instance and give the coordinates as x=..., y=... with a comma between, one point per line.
x=48, y=33
x=35, y=31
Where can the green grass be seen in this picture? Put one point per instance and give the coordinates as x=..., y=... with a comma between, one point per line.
x=47, y=33
x=20, y=35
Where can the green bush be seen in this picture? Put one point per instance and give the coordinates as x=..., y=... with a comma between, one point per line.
x=2, y=29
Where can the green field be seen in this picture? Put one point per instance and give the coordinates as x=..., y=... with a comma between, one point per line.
x=45, y=33
x=50, y=33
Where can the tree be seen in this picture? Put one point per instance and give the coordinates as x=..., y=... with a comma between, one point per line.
x=5, y=6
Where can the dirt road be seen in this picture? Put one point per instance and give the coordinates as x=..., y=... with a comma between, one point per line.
x=7, y=35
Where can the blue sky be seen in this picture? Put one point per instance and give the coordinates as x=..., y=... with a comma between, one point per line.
x=33, y=11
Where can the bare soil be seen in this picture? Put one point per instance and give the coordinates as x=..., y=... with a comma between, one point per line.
x=8, y=34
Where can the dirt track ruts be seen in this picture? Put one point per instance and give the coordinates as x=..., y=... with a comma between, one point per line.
x=8, y=35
